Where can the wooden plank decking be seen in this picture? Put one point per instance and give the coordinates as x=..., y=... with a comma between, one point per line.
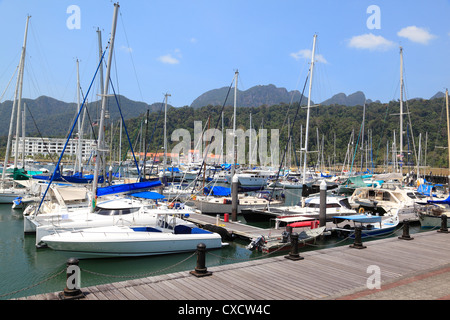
x=322, y=274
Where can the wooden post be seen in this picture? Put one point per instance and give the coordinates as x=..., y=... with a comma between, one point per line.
x=323, y=204
x=234, y=197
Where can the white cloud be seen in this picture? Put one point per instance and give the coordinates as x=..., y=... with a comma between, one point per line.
x=193, y=40
x=371, y=42
x=171, y=59
x=168, y=59
x=415, y=34
x=126, y=49
x=306, y=54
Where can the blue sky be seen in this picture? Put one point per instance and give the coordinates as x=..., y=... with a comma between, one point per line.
x=186, y=48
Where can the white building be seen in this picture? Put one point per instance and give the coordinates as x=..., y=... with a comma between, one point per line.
x=44, y=146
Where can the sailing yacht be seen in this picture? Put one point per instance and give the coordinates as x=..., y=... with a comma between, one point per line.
x=9, y=190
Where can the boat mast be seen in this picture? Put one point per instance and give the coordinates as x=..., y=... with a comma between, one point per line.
x=22, y=64
x=165, y=133
x=78, y=163
x=102, y=114
x=401, y=109
x=309, y=106
x=234, y=123
x=448, y=134
x=13, y=111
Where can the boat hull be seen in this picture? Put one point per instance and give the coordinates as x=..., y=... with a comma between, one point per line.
x=431, y=221
x=98, y=244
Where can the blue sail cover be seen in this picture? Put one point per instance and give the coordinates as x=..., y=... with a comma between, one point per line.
x=148, y=195
x=217, y=191
x=75, y=178
x=127, y=187
x=446, y=201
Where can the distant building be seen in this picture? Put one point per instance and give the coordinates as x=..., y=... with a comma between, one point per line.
x=44, y=146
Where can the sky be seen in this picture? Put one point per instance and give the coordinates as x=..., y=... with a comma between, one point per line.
x=187, y=47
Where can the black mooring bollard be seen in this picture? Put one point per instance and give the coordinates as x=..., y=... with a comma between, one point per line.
x=72, y=291
x=200, y=269
x=444, y=228
x=293, y=255
x=405, y=235
x=358, y=243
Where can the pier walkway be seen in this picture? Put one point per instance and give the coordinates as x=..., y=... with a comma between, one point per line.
x=387, y=269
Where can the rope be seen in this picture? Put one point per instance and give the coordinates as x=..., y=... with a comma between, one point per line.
x=139, y=275
x=34, y=285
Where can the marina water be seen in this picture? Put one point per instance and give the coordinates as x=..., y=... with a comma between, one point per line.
x=26, y=270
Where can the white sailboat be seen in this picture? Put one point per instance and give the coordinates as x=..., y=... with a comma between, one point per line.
x=9, y=189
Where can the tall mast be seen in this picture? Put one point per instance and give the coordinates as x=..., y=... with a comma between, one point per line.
x=13, y=111
x=165, y=133
x=78, y=163
x=448, y=133
x=234, y=122
x=104, y=98
x=309, y=106
x=401, y=107
x=22, y=64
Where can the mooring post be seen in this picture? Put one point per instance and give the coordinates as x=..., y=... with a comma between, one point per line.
x=405, y=235
x=444, y=228
x=293, y=255
x=358, y=243
x=323, y=204
x=200, y=269
x=234, y=197
x=72, y=289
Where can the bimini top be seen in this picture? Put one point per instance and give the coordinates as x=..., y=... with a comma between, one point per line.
x=363, y=218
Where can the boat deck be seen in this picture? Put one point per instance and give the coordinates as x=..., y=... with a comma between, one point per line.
x=330, y=273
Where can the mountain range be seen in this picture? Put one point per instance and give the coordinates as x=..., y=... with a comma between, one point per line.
x=50, y=117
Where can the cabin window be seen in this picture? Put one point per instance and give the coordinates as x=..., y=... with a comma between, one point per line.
x=114, y=212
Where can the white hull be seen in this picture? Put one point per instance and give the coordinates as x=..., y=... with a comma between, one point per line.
x=8, y=195
x=124, y=242
x=221, y=205
x=431, y=221
x=81, y=218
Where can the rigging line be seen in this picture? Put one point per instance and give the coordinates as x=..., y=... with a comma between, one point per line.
x=7, y=86
x=67, y=141
x=131, y=56
x=151, y=140
x=212, y=136
x=289, y=137
x=124, y=124
x=40, y=135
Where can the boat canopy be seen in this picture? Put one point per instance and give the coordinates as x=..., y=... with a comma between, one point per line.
x=359, y=218
x=217, y=191
x=127, y=187
x=446, y=201
x=148, y=195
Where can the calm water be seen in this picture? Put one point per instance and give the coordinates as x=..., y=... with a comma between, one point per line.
x=23, y=266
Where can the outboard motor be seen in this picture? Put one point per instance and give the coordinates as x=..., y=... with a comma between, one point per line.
x=257, y=243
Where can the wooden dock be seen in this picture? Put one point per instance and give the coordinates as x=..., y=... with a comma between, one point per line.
x=323, y=274
x=234, y=227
